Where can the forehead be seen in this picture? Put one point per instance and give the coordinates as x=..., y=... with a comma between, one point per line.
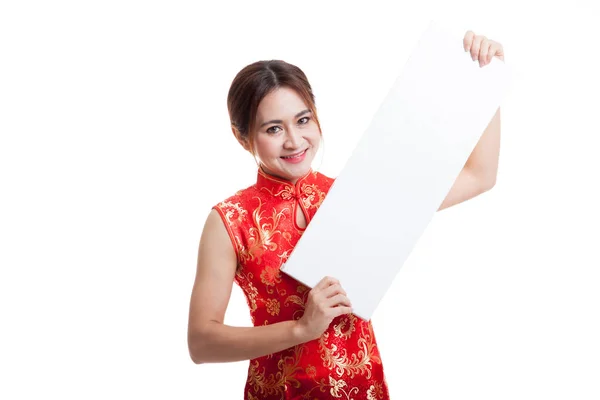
x=282, y=103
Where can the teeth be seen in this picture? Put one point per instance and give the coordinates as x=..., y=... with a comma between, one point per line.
x=296, y=156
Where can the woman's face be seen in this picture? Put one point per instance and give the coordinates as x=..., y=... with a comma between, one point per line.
x=285, y=127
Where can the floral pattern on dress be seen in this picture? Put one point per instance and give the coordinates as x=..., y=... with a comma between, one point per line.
x=344, y=363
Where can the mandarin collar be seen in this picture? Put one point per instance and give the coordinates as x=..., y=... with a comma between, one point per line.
x=282, y=187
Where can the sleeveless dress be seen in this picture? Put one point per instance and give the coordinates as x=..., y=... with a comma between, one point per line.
x=344, y=363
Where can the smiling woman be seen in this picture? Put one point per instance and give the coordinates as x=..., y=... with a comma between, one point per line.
x=305, y=342
x=287, y=145
x=273, y=116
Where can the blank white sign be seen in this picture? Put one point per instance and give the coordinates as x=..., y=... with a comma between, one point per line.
x=401, y=170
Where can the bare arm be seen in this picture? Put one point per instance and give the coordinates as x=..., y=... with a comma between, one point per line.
x=479, y=173
x=209, y=340
x=483, y=161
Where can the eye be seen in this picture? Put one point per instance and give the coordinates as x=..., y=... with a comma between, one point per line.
x=305, y=122
x=270, y=130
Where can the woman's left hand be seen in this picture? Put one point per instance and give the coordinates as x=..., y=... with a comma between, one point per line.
x=482, y=48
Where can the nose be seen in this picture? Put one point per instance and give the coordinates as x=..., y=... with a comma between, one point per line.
x=294, y=138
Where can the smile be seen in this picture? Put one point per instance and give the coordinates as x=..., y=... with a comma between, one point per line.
x=295, y=156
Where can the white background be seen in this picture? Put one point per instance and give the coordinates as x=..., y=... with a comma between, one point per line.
x=115, y=144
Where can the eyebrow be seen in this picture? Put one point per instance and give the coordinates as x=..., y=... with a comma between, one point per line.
x=278, y=121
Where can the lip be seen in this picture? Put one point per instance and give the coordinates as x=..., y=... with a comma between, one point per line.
x=297, y=159
x=295, y=154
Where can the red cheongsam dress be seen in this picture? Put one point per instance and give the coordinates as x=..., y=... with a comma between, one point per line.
x=344, y=363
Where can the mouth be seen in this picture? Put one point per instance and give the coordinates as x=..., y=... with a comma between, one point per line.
x=295, y=156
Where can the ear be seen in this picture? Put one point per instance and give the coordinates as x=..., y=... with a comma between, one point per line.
x=241, y=139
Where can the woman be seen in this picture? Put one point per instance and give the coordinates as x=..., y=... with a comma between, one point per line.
x=305, y=343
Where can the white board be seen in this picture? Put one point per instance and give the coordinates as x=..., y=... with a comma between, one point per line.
x=401, y=170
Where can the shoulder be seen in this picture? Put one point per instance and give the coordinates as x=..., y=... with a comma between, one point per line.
x=236, y=197
x=236, y=209
x=232, y=215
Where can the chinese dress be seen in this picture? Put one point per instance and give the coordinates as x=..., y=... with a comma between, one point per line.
x=344, y=363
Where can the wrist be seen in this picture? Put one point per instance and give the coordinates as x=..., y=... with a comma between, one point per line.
x=299, y=332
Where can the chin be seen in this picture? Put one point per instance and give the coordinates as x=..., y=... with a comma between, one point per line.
x=291, y=172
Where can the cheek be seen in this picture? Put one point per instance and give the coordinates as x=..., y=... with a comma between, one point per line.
x=269, y=147
x=315, y=135
x=314, y=128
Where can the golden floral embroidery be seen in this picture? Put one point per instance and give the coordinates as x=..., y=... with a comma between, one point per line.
x=275, y=384
x=321, y=385
x=232, y=208
x=375, y=392
x=273, y=307
x=309, y=192
x=287, y=193
x=245, y=281
x=302, y=289
x=261, y=235
x=338, y=329
x=297, y=300
x=294, y=299
x=271, y=385
x=270, y=276
x=284, y=256
x=353, y=364
x=337, y=388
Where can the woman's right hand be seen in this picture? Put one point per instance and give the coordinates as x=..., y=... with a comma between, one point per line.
x=326, y=301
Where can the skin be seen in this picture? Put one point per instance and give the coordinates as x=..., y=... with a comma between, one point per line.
x=480, y=171
x=294, y=130
x=209, y=339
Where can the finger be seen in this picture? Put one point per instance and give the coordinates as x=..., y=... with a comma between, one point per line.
x=475, y=46
x=491, y=52
x=333, y=290
x=338, y=300
x=483, y=52
x=341, y=311
x=325, y=282
x=496, y=50
x=468, y=40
